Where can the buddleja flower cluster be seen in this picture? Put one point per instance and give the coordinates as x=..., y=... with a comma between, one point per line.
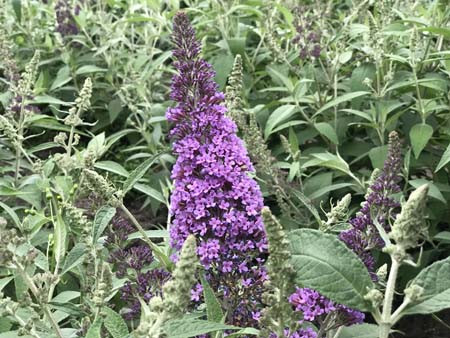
x=307, y=37
x=214, y=198
x=379, y=207
x=314, y=306
x=132, y=260
x=66, y=24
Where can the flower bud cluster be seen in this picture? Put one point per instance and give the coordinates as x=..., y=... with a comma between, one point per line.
x=176, y=293
x=410, y=225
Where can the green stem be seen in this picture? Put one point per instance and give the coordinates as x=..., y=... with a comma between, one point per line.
x=35, y=292
x=19, y=140
x=156, y=250
x=386, y=320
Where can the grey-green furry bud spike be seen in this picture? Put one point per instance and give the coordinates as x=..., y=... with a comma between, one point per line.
x=410, y=225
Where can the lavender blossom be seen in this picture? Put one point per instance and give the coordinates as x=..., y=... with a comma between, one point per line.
x=314, y=306
x=379, y=206
x=214, y=198
x=302, y=333
x=132, y=260
x=308, y=36
x=66, y=24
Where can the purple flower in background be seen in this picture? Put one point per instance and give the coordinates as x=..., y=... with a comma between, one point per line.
x=131, y=260
x=360, y=238
x=379, y=206
x=214, y=198
x=313, y=306
x=302, y=333
x=308, y=36
x=65, y=22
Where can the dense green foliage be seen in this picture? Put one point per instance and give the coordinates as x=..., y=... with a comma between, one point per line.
x=84, y=143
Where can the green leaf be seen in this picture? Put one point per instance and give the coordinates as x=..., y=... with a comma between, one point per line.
x=244, y=332
x=17, y=6
x=4, y=281
x=62, y=78
x=60, y=237
x=435, y=282
x=437, y=30
x=114, y=323
x=279, y=78
x=11, y=214
x=5, y=324
x=223, y=64
x=309, y=205
x=278, y=116
x=89, y=69
x=50, y=100
x=138, y=173
x=420, y=134
x=66, y=296
x=149, y=191
x=378, y=155
x=150, y=234
x=324, y=263
x=328, y=188
x=444, y=159
x=102, y=218
x=114, y=109
x=443, y=236
x=74, y=257
x=359, y=331
x=185, y=328
x=237, y=45
x=112, y=167
x=95, y=329
x=433, y=189
x=332, y=161
x=328, y=131
x=340, y=99
x=213, y=308
x=345, y=57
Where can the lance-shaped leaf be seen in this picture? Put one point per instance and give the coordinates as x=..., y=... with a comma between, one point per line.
x=139, y=172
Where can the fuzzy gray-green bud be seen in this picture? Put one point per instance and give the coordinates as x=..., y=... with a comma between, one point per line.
x=338, y=212
x=410, y=225
x=82, y=103
x=233, y=94
x=177, y=295
x=278, y=313
x=102, y=187
x=26, y=82
x=414, y=293
x=177, y=291
x=375, y=297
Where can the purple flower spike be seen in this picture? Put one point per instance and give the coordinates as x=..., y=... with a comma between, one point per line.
x=214, y=198
x=379, y=206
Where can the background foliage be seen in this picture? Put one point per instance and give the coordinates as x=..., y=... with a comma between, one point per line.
x=324, y=105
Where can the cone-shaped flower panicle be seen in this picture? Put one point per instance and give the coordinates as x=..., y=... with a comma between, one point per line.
x=214, y=197
x=379, y=206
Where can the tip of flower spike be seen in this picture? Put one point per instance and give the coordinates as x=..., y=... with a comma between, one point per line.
x=183, y=37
